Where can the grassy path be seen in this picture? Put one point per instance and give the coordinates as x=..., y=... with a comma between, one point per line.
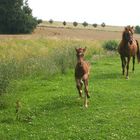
x=50, y=109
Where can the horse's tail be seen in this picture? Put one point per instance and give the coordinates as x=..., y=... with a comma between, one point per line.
x=138, y=51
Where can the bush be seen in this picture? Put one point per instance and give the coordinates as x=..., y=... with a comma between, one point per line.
x=51, y=21
x=39, y=21
x=137, y=29
x=94, y=25
x=110, y=45
x=103, y=24
x=64, y=23
x=75, y=23
x=85, y=24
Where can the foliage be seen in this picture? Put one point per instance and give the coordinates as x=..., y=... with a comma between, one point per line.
x=51, y=21
x=85, y=24
x=64, y=23
x=39, y=21
x=95, y=25
x=103, y=24
x=75, y=23
x=110, y=45
x=16, y=17
x=137, y=29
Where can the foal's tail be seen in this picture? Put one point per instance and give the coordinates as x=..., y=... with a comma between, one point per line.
x=138, y=51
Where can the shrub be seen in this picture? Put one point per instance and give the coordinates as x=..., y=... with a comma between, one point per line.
x=75, y=23
x=85, y=24
x=64, y=23
x=103, y=24
x=39, y=21
x=137, y=29
x=94, y=25
x=51, y=21
x=110, y=45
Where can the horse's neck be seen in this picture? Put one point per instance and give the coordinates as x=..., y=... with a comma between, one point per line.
x=80, y=60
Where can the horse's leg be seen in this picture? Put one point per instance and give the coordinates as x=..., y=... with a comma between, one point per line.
x=127, y=66
x=79, y=87
x=123, y=64
x=133, y=64
x=86, y=92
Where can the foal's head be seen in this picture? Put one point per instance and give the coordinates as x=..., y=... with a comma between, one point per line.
x=80, y=52
x=128, y=34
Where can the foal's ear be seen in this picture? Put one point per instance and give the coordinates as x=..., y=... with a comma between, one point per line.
x=85, y=49
x=132, y=29
x=76, y=49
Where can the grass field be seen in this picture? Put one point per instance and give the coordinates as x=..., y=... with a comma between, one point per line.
x=50, y=108
x=38, y=71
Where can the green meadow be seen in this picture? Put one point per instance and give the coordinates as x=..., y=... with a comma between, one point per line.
x=39, y=73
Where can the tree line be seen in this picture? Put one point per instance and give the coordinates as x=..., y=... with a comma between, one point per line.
x=85, y=24
x=137, y=27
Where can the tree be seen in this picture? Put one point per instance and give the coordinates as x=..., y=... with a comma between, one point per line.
x=103, y=24
x=85, y=24
x=51, y=21
x=64, y=23
x=16, y=17
x=39, y=21
x=137, y=29
x=75, y=23
x=94, y=25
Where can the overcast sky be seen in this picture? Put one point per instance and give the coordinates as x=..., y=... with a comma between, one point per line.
x=112, y=12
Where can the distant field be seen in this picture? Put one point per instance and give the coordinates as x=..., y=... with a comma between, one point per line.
x=80, y=26
x=58, y=31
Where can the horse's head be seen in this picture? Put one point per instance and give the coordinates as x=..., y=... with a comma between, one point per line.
x=80, y=52
x=128, y=34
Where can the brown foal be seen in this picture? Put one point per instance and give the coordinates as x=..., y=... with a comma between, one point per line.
x=82, y=73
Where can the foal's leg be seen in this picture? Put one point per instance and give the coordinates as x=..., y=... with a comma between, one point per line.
x=133, y=64
x=128, y=60
x=86, y=92
x=123, y=64
x=79, y=86
x=86, y=88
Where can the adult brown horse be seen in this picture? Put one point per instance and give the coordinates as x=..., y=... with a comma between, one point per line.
x=128, y=48
x=82, y=74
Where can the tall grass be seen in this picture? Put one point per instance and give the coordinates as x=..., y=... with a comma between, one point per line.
x=21, y=58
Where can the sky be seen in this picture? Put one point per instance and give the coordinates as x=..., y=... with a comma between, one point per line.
x=111, y=12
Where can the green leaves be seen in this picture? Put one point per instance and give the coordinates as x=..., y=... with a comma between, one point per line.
x=16, y=17
x=110, y=45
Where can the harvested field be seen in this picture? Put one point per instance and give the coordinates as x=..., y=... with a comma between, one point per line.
x=71, y=33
